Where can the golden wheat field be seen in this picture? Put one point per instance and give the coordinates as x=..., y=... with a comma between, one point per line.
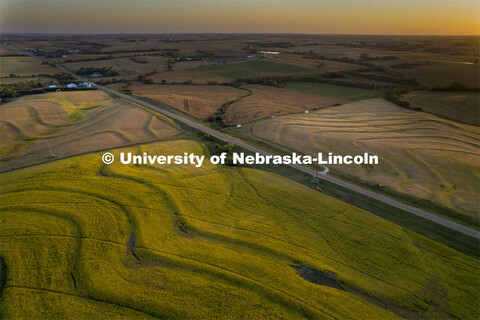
x=421, y=155
x=37, y=128
x=267, y=101
x=199, y=101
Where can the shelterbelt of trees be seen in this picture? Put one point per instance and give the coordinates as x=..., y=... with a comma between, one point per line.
x=13, y=90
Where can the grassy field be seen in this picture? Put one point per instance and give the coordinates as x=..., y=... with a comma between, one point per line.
x=317, y=64
x=459, y=106
x=24, y=66
x=328, y=90
x=266, y=101
x=421, y=155
x=259, y=68
x=199, y=101
x=40, y=127
x=80, y=239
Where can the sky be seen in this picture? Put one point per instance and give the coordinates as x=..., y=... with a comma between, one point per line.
x=418, y=17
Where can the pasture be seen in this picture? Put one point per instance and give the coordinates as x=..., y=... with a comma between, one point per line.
x=328, y=90
x=183, y=242
x=43, y=127
x=421, y=155
x=258, y=69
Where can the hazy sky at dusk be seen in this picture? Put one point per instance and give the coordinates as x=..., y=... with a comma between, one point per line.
x=295, y=16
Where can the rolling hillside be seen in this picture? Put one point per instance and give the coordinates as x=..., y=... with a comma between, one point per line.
x=85, y=240
x=421, y=155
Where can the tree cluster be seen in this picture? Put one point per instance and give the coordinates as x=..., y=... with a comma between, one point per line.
x=13, y=90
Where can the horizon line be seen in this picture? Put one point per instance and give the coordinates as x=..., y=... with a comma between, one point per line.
x=236, y=33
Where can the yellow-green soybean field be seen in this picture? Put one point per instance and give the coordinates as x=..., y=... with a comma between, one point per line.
x=85, y=240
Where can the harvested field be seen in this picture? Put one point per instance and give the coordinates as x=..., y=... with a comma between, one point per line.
x=24, y=66
x=444, y=73
x=199, y=101
x=36, y=128
x=86, y=240
x=459, y=106
x=196, y=77
x=117, y=86
x=267, y=101
x=7, y=50
x=420, y=154
x=333, y=51
x=192, y=46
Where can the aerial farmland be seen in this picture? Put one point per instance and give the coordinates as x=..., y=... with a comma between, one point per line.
x=83, y=236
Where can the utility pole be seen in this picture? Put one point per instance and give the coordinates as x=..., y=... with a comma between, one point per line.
x=51, y=153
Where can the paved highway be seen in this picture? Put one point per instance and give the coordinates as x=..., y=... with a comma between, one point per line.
x=405, y=207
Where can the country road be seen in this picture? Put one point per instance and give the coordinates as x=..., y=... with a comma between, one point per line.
x=394, y=203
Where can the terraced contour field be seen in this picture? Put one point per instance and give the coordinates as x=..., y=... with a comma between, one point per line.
x=38, y=128
x=420, y=154
x=80, y=239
